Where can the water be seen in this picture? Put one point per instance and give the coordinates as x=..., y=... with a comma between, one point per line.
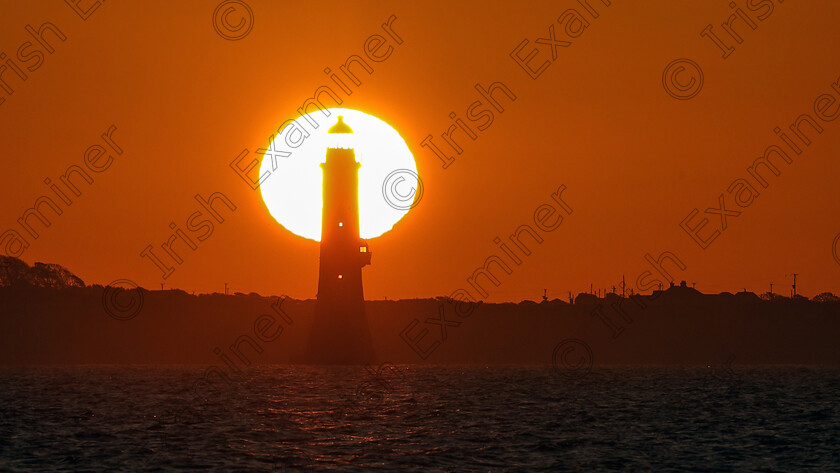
x=282, y=418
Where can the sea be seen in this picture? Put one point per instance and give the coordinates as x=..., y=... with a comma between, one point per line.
x=419, y=418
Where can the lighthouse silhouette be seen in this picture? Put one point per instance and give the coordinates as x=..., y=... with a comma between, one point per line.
x=340, y=333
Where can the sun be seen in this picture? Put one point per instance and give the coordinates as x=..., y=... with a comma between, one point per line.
x=292, y=190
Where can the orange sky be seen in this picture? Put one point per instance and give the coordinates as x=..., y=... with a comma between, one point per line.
x=634, y=160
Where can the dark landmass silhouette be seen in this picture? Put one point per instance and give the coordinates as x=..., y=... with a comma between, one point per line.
x=48, y=316
x=14, y=272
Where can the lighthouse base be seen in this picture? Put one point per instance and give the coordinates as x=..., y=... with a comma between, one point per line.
x=340, y=335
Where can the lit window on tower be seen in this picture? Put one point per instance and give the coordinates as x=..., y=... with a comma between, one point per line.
x=362, y=249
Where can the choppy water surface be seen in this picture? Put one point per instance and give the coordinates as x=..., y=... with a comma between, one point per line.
x=419, y=419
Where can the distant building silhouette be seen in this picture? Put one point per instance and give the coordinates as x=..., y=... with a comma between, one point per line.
x=340, y=333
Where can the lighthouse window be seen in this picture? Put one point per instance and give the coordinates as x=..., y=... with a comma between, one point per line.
x=363, y=249
x=340, y=224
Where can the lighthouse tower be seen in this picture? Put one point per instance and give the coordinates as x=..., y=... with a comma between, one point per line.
x=340, y=333
x=343, y=252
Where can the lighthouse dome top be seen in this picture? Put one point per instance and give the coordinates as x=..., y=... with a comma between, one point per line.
x=340, y=127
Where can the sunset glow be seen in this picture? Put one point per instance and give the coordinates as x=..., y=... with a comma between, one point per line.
x=293, y=193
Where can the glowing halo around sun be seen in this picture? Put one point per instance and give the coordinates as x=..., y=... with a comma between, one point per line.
x=292, y=189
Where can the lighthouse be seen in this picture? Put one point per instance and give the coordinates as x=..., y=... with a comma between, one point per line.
x=340, y=333
x=343, y=252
